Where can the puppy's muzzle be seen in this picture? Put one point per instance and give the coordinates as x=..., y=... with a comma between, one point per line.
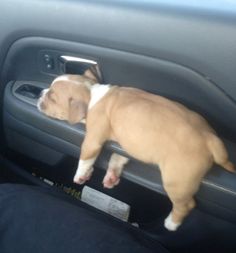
x=42, y=106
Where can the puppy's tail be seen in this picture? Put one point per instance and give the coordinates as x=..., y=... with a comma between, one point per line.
x=219, y=152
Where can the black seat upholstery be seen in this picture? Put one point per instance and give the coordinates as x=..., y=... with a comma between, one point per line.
x=36, y=219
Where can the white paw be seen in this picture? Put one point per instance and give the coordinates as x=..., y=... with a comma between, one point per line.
x=170, y=225
x=81, y=178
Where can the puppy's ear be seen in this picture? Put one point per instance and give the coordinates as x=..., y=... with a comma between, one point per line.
x=94, y=74
x=77, y=111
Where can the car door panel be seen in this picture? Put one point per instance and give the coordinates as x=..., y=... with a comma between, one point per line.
x=184, y=52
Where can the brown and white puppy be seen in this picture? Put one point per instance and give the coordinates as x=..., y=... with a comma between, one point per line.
x=149, y=127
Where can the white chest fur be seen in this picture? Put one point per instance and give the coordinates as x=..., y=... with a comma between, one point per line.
x=98, y=91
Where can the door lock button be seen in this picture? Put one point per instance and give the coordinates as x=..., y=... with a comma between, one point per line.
x=48, y=62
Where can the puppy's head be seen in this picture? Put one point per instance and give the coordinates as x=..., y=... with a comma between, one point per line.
x=67, y=98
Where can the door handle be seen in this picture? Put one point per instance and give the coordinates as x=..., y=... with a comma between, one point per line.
x=77, y=65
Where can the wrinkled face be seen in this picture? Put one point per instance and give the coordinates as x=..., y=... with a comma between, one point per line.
x=54, y=104
x=66, y=99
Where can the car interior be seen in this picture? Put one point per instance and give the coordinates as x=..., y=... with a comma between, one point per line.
x=183, y=50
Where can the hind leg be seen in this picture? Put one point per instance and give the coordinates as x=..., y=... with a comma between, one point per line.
x=180, y=186
x=180, y=210
x=181, y=179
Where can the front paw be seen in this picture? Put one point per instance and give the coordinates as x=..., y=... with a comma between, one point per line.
x=81, y=178
x=111, y=179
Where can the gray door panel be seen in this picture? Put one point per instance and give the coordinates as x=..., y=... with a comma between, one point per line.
x=184, y=50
